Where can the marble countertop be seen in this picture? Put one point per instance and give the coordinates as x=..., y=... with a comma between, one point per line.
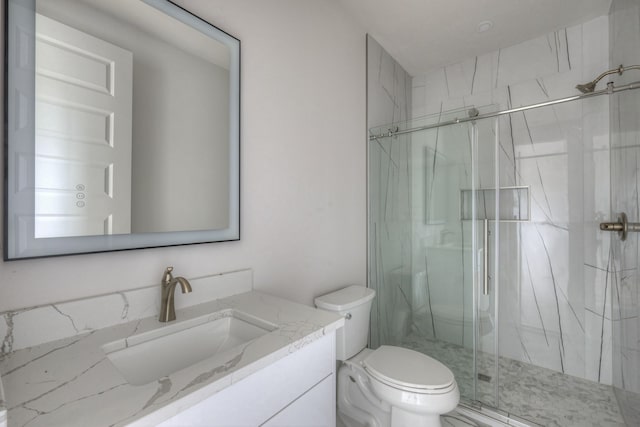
x=71, y=382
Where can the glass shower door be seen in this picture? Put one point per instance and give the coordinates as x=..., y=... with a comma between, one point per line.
x=445, y=249
x=481, y=206
x=470, y=319
x=432, y=214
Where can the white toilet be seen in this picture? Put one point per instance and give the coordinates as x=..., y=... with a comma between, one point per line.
x=390, y=386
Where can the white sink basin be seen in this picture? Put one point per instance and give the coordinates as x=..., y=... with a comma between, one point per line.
x=155, y=354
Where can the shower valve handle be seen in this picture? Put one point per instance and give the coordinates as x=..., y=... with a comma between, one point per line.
x=623, y=227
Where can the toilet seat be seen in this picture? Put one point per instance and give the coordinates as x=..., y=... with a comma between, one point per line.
x=409, y=370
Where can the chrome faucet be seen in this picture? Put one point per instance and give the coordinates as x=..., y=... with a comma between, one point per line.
x=168, y=309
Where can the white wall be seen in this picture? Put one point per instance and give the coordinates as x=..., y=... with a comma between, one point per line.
x=303, y=168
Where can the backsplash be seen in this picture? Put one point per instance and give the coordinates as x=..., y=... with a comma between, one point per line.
x=33, y=326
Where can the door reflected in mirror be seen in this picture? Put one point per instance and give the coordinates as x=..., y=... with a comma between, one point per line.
x=124, y=127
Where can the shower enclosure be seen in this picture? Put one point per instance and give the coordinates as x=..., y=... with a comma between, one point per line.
x=484, y=242
x=487, y=277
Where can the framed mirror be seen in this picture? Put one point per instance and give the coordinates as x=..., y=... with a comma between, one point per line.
x=122, y=127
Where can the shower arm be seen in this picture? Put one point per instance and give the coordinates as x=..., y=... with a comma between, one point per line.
x=591, y=86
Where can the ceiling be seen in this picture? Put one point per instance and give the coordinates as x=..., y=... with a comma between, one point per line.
x=425, y=34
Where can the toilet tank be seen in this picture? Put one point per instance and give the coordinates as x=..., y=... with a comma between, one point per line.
x=354, y=303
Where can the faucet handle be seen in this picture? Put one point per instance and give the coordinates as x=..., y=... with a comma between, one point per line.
x=167, y=276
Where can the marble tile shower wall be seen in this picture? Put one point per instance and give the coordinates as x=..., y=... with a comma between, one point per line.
x=389, y=102
x=554, y=275
x=624, y=21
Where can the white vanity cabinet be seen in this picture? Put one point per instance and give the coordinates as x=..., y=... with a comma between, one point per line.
x=297, y=390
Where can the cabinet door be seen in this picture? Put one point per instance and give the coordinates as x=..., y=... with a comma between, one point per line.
x=315, y=408
x=257, y=398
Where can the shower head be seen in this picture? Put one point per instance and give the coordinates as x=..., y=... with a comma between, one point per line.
x=591, y=86
x=587, y=87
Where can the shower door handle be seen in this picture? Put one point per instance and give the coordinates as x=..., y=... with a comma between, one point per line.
x=485, y=258
x=622, y=226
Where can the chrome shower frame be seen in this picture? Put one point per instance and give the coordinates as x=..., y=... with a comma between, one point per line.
x=611, y=88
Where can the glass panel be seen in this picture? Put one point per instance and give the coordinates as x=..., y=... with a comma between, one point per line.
x=625, y=181
x=424, y=257
x=555, y=270
x=487, y=203
x=442, y=297
x=390, y=238
x=514, y=204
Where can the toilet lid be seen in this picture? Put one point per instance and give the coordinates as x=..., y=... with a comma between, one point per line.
x=407, y=368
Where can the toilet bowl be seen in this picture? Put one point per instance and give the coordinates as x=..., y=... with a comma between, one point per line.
x=389, y=386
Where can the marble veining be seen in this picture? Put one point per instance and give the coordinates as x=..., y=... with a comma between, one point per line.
x=24, y=328
x=70, y=381
x=7, y=341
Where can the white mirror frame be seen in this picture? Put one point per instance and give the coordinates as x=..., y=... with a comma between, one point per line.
x=19, y=240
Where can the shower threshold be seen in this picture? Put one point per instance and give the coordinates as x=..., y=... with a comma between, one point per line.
x=486, y=415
